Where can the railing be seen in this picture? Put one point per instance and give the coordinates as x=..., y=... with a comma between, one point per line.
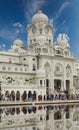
x=19, y=85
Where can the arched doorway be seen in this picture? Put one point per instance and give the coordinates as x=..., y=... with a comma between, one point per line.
x=57, y=115
x=24, y=110
x=24, y=96
x=67, y=85
x=17, y=95
x=17, y=110
x=12, y=95
x=47, y=68
x=57, y=84
x=7, y=95
x=29, y=95
x=34, y=95
x=47, y=86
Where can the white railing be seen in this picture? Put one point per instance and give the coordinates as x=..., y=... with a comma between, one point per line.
x=18, y=85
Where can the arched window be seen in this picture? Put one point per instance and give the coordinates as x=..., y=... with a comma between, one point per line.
x=34, y=67
x=40, y=31
x=59, y=51
x=58, y=69
x=57, y=115
x=17, y=95
x=47, y=68
x=24, y=110
x=68, y=70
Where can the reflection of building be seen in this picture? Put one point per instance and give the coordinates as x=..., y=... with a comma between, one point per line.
x=22, y=118
x=35, y=118
x=64, y=118
x=43, y=68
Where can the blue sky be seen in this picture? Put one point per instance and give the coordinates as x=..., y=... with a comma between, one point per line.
x=16, y=14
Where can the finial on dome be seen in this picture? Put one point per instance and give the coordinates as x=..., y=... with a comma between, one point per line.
x=40, y=7
x=39, y=11
x=61, y=36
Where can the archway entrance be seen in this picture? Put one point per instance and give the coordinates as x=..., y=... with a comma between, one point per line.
x=57, y=84
x=24, y=96
x=57, y=115
x=47, y=86
x=67, y=85
x=17, y=95
x=30, y=95
x=12, y=95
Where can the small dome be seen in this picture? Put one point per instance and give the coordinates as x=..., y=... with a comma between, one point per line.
x=40, y=17
x=18, y=42
x=62, y=41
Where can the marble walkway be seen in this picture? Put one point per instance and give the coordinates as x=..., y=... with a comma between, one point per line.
x=10, y=103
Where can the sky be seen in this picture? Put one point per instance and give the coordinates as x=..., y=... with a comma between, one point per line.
x=15, y=15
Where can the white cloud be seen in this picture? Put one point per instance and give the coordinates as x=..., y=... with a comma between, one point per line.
x=63, y=6
x=30, y=7
x=19, y=27
x=18, y=24
x=51, y=21
x=8, y=34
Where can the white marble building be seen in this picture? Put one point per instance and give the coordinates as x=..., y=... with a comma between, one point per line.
x=43, y=68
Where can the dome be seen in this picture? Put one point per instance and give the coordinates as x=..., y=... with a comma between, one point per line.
x=62, y=41
x=40, y=17
x=18, y=42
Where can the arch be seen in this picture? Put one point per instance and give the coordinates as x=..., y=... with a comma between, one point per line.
x=24, y=96
x=57, y=85
x=68, y=67
x=12, y=111
x=76, y=116
x=34, y=67
x=7, y=95
x=47, y=68
x=24, y=110
x=34, y=95
x=13, y=95
x=17, y=110
x=66, y=51
x=59, y=51
x=38, y=50
x=68, y=124
x=58, y=69
x=17, y=95
x=57, y=115
x=29, y=95
x=49, y=26
x=44, y=50
x=68, y=70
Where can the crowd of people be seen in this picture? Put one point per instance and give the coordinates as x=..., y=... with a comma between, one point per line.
x=34, y=97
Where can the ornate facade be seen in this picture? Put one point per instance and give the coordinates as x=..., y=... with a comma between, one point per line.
x=43, y=68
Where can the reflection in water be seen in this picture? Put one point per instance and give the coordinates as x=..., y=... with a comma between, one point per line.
x=61, y=117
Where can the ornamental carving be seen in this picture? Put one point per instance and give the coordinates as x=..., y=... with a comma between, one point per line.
x=68, y=71
x=58, y=70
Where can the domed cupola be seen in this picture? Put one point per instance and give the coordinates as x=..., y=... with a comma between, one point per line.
x=40, y=32
x=40, y=17
x=62, y=41
x=62, y=46
x=18, y=42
